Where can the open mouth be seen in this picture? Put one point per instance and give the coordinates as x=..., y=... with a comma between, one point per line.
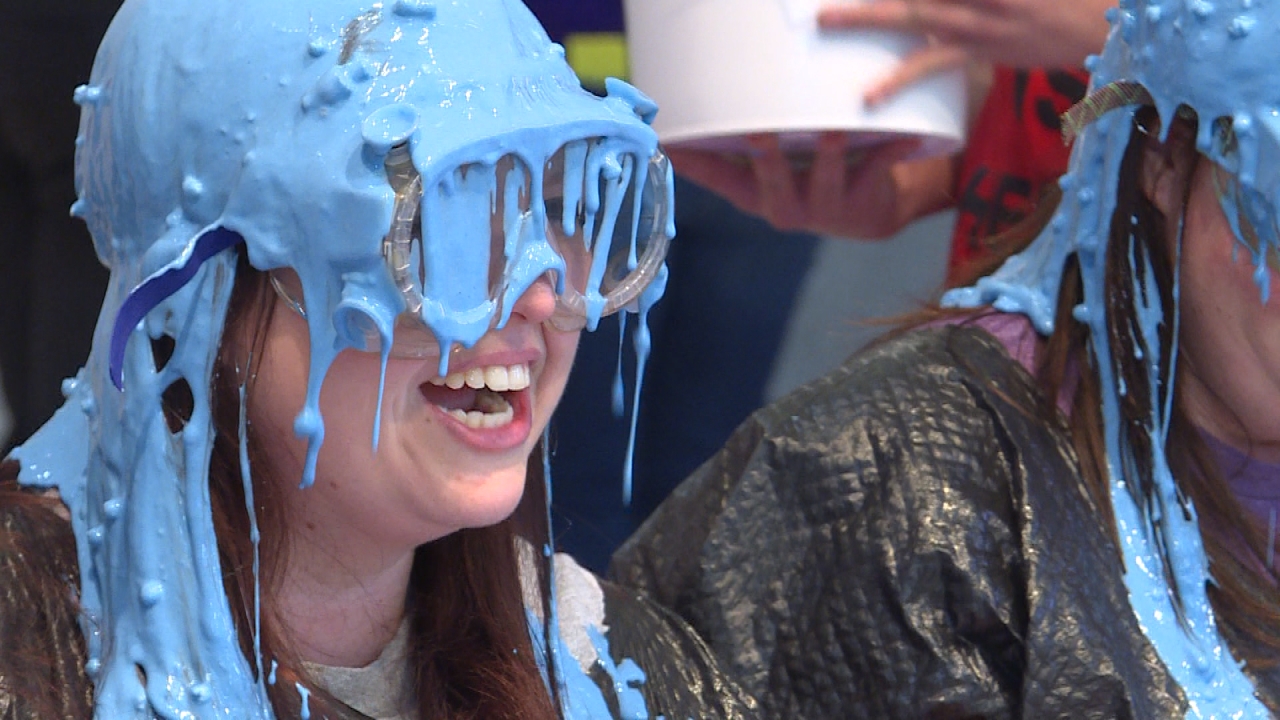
x=479, y=398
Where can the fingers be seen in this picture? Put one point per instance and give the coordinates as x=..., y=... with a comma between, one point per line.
x=916, y=66
x=948, y=21
x=882, y=15
x=779, y=199
x=732, y=179
x=827, y=177
x=817, y=198
x=872, y=202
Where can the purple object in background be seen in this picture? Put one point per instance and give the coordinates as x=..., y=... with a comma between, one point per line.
x=564, y=17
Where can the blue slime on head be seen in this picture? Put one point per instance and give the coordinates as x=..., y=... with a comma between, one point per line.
x=271, y=120
x=1218, y=58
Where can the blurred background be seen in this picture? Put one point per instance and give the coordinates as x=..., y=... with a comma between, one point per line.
x=51, y=283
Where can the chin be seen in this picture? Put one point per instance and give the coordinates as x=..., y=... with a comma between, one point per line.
x=489, y=501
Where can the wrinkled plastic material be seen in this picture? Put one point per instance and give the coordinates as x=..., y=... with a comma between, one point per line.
x=903, y=538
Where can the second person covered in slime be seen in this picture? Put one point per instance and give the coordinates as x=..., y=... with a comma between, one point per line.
x=1059, y=500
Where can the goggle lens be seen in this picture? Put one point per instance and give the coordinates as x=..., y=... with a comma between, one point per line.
x=598, y=244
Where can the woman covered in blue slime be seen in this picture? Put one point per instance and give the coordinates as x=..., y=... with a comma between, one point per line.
x=352, y=244
x=1058, y=499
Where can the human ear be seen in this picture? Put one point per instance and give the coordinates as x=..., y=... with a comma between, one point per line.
x=1166, y=168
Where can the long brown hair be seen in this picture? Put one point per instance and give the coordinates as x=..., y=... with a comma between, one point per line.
x=1245, y=598
x=42, y=653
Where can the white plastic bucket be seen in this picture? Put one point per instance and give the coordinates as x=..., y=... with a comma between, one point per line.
x=723, y=69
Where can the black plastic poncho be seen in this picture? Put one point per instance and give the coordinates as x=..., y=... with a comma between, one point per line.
x=906, y=538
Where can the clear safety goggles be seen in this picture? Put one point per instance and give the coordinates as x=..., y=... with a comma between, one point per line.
x=592, y=235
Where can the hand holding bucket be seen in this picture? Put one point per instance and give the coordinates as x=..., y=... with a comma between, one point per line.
x=764, y=107
x=1016, y=33
x=723, y=70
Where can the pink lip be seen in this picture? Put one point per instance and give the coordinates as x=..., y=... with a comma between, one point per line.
x=509, y=437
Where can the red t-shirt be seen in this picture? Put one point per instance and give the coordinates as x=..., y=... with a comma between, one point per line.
x=1014, y=150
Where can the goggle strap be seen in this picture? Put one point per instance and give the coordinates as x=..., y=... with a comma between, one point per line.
x=1121, y=93
x=162, y=284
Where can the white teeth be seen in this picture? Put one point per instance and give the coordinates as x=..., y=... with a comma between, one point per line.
x=518, y=377
x=498, y=378
x=484, y=420
x=492, y=410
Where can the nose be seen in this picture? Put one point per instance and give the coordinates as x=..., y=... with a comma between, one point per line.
x=538, y=303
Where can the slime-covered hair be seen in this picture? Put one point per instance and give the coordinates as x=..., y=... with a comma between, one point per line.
x=1216, y=58
x=211, y=123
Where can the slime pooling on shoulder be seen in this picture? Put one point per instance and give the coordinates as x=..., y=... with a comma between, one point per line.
x=277, y=118
x=1216, y=58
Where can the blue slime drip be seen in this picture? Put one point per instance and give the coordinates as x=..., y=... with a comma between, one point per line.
x=553, y=659
x=643, y=345
x=627, y=678
x=272, y=120
x=305, y=694
x=580, y=699
x=579, y=696
x=1216, y=58
x=255, y=537
x=619, y=401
